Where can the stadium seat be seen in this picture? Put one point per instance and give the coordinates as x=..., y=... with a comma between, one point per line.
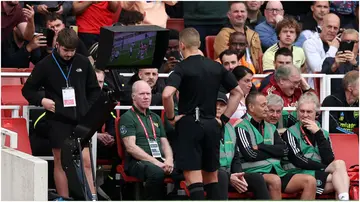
x=346, y=147
x=11, y=95
x=175, y=23
x=17, y=125
x=209, y=47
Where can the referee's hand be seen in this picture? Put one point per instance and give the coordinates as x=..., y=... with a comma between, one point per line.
x=177, y=118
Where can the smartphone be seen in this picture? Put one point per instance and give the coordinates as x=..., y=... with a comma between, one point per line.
x=49, y=33
x=346, y=46
x=26, y=5
x=53, y=9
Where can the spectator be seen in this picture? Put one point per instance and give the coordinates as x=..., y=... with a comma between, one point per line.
x=343, y=61
x=55, y=22
x=206, y=17
x=62, y=113
x=44, y=8
x=288, y=84
x=255, y=16
x=230, y=174
x=276, y=115
x=323, y=45
x=310, y=151
x=129, y=17
x=262, y=150
x=229, y=59
x=238, y=43
x=153, y=11
x=140, y=130
x=16, y=52
x=12, y=15
x=287, y=31
x=91, y=16
x=283, y=56
x=353, y=23
x=344, y=121
x=150, y=76
x=237, y=15
x=312, y=21
x=274, y=13
x=243, y=76
x=172, y=56
x=344, y=9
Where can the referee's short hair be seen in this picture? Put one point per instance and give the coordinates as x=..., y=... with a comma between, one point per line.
x=284, y=71
x=190, y=38
x=68, y=38
x=251, y=98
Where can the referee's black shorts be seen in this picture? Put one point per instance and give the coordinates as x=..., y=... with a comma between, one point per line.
x=197, y=145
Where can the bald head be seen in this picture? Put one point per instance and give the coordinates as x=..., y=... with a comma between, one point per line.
x=140, y=85
x=141, y=95
x=330, y=27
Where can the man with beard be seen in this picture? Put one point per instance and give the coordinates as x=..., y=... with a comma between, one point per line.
x=71, y=88
x=172, y=56
x=13, y=16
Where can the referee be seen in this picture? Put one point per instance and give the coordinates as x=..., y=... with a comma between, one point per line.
x=198, y=80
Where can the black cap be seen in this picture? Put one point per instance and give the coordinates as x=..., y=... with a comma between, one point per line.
x=222, y=97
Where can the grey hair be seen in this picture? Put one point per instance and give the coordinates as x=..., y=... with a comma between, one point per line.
x=284, y=71
x=350, y=31
x=309, y=97
x=273, y=99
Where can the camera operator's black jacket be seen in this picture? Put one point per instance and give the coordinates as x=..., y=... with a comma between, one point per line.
x=48, y=75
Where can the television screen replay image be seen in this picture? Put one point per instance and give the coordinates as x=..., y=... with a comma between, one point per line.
x=133, y=48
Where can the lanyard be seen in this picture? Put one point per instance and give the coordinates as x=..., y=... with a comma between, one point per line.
x=65, y=77
x=305, y=137
x=142, y=124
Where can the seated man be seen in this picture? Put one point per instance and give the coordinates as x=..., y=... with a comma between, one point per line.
x=229, y=59
x=287, y=31
x=150, y=156
x=55, y=22
x=283, y=56
x=276, y=115
x=172, y=56
x=151, y=76
x=311, y=153
x=238, y=43
x=17, y=52
x=262, y=150
x=344, y=121
x=230, y=171
x=237, y=15
x=344, y=61
x=274, y=13
x=288, y=84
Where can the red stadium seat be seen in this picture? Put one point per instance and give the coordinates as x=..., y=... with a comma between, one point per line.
x=11, y=95
x=17, y=125
x=346, y=147
x=175, y=23
x=209, y=47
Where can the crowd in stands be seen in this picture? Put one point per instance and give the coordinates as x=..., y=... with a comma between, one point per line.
x=250, y=38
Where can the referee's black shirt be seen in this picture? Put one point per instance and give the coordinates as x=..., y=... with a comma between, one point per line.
x=198, y=80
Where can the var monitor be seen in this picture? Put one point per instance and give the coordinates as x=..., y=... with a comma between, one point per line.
x=132, y=47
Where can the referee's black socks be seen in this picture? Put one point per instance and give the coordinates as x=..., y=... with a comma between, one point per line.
x=212, y=191
x=196, y=191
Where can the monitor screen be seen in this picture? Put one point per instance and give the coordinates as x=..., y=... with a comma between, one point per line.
x=132, y=47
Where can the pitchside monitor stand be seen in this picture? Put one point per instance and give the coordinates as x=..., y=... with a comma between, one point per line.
x=151, y=42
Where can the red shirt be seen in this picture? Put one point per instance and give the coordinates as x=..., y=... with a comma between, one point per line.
x=273, y=88
x=95, y=16
x=9, y=21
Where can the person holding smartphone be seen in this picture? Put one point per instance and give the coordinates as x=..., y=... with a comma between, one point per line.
x=345, y=60
x=172, y=56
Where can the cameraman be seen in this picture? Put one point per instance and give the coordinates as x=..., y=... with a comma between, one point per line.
x=172, y=56
x=344, y=60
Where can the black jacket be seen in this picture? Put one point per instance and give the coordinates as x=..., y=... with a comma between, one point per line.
x=47, y=74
